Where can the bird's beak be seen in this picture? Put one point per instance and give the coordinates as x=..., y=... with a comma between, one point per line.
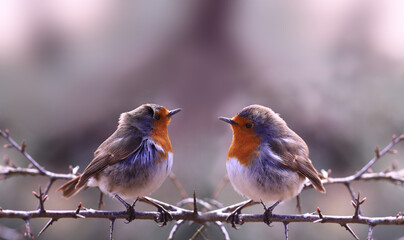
x=172, y=112
x=228, y=120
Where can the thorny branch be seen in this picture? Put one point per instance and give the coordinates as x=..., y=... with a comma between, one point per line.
x=212, y=210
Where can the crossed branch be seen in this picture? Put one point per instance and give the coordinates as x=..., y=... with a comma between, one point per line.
x=211, y=210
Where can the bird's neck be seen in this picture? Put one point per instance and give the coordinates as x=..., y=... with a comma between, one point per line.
x=243, y=147
x=160, y=136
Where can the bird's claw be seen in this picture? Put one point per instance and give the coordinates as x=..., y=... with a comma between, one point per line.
x=163, y=217
x=234, y=219
x=268, y=213
x=131, y=213
x=267, y=217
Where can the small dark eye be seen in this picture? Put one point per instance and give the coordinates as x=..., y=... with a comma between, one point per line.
x=157, y=117
x=248, y=125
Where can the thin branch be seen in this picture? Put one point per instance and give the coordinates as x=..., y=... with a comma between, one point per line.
x=350, y=231
x=286, y=225
x=178, y=185
x=111, y=227
x=221, y=186
x=195, y=206
x=356, y=204
x=100, y=201
x=223, y=230
x=370, y=232
x=211, y=216
x=351, y=192
x=298, y=205
x=379, y=154
x=28, y=232
x=52, y=220
x=49, y=185
x=175, y=229
x=199, y=231
x=6, y=135
x=217, y=216
x=41, y=198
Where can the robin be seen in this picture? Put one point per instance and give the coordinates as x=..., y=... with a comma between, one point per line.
x=134, y=161
x=267, y=161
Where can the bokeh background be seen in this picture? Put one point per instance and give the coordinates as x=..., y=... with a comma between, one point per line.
x=332, y=69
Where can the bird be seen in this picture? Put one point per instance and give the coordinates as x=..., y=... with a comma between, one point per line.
x=267, y=161
x=134, y=161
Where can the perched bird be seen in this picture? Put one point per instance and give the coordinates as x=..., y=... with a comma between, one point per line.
x=134, y=161
x=267, y=161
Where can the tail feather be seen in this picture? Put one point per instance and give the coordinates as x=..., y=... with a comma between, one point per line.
x=69, y=189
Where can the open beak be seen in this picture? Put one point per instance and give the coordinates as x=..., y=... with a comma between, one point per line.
x=172, y=112
x=228, y=120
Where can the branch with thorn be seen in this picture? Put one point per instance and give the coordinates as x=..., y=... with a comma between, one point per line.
x=210, y=210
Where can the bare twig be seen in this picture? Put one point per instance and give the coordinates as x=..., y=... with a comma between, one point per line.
x=208, y=213
x=379, y=154
x=211, y=216
x=195, y=206
x=6, y=135
x=174, y=229
x=111, y=227
x=356, y=204
x=223, y=230
x=351, y=192
x=298, y=205
x=52, y=220
x=100, y=201
x=370, y=232
x=220, y=187
x=199, y=231
x=28, y=232
x=350, y=231
x=286, y=225
x=42, y=198
x=178, y=185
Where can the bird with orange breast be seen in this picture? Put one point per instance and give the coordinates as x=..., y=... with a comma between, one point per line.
x=267, y=161
x=134, y=161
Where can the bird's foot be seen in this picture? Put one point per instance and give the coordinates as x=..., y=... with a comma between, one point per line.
x=164, y=215
x=234, y=217
x=268, y=213
x=129, y=208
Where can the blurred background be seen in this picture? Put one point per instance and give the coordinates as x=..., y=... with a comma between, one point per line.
x=332, y=69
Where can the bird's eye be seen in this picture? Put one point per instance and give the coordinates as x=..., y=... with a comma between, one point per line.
x=248, y=125
x=157, y=117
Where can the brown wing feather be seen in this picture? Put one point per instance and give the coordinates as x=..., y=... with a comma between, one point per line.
x=295, y=155
x=115, y=148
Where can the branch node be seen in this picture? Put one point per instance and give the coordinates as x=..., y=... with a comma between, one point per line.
x=23, y=146
x=319, y=213
x=356, y=204
x=377, y=152
x=78, y=208
x=42, y=197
